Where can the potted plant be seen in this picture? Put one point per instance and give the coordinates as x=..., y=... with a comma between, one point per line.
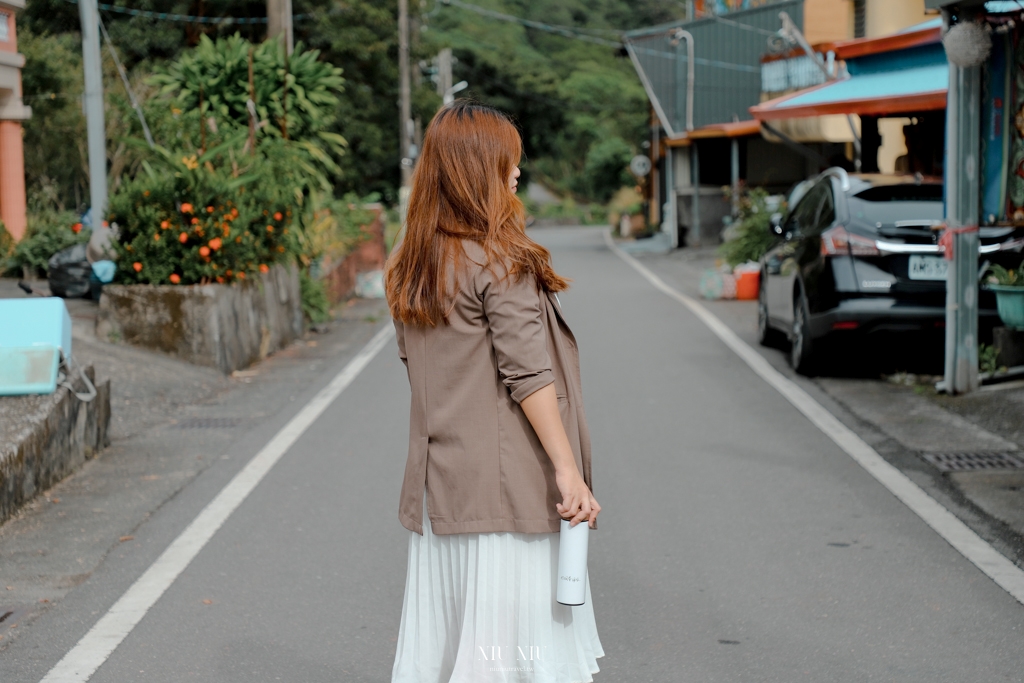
x=1009, y=288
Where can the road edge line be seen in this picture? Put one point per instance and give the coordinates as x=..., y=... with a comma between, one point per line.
x=964, y=540
x=96, y=646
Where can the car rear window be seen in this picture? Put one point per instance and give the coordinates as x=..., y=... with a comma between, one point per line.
x=888, y=204
x=902, y=193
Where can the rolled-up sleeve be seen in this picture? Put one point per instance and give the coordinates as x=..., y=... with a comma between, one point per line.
x=515, y=318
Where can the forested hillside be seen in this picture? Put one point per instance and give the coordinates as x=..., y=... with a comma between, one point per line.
x=580, y=106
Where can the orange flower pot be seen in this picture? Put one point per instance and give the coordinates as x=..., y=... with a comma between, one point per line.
x=747, y=283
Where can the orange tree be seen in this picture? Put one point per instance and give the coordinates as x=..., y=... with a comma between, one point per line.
x=218, y=216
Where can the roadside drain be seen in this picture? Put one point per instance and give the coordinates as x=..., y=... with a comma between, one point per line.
x=209, y=423
x=974, y=462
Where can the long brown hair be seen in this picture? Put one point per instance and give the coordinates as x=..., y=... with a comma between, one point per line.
x=460, y=192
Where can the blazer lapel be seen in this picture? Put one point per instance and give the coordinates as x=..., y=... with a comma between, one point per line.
x=561, y=317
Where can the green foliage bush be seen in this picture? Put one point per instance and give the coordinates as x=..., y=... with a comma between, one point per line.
x=315, y=305
x=751, y=236
x=224, y=203
x=47, y=233
x=1009, y=278
x=626, y=201
x=216, y=75
x=214, y=217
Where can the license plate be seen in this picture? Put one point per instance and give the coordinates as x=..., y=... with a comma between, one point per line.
x=928, y=267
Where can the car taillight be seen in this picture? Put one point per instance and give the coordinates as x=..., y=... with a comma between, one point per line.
x=838, y=242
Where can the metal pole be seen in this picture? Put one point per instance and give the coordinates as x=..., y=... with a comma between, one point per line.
x=405, y=105
x=735, y=168
x=695, y=209
x=93, y=100
x=671, y=223
x=680, y=34
x=963, y=145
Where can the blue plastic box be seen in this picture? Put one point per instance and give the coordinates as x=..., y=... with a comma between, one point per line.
x=34, y=333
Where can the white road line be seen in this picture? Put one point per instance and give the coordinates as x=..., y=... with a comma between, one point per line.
x=95, y=647
x=1007, y=575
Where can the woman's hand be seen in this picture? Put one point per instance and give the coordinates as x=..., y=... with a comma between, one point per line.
x=578, y=503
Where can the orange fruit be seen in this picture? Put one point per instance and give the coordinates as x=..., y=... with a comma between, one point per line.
x=215, y=243
x=186, y=208
x=204, y=251
x=278, y=216
x=137, y=266
x=183, y=237
x=175, y=278
x=264, y=268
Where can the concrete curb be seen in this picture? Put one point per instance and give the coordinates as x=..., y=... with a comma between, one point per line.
x=46, y=438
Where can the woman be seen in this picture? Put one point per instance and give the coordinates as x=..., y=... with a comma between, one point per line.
x=499, y=451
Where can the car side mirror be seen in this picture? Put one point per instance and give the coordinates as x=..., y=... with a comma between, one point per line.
x=776, y=223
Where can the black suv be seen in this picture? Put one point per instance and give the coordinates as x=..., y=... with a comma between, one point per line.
x=858, y=254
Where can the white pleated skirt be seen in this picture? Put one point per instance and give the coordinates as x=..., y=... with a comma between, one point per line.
x=480, y=608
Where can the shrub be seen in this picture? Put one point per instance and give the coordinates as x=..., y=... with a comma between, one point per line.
x=216, y=74
x=626, y=201
x=315, y=305
x=207, y=218
x=751, y=236
x=1002, y=276
x=48, y=232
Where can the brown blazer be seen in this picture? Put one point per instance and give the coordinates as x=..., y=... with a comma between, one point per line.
x=470, y=444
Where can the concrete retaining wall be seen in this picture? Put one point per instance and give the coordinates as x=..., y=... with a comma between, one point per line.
x=45, y=438
x=228, y=327
x=340, y=277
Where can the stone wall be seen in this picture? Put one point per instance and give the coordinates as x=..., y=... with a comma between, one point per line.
x=228, y=327
x=340, y=277
x=43, y=438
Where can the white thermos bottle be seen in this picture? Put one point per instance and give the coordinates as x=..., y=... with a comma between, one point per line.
x=572, y=563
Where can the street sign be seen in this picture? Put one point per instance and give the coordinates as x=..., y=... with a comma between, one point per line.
x=640, y=165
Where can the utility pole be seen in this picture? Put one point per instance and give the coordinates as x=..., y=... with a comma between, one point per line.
x=444, y=71
x=93, y=100
x=279, y=22
x=404, y=95
x=963, y=148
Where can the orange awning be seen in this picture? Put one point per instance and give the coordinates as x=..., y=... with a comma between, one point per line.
x=733, y=129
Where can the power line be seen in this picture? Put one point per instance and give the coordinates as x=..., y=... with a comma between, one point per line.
x=167, y=16
x=568, y=32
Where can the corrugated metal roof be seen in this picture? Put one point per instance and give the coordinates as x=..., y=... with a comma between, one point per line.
x=727, y=64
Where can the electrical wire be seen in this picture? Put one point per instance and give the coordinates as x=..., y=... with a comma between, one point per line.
x=568, y=32
x=127, y=86
x=167, y=16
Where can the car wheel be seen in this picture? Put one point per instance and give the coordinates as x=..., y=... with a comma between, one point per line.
x=766, y=334
x=801, y=353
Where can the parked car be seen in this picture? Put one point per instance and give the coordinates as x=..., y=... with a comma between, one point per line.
x=859, y=254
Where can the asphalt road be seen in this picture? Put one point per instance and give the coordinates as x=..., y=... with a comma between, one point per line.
x=737, y=542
